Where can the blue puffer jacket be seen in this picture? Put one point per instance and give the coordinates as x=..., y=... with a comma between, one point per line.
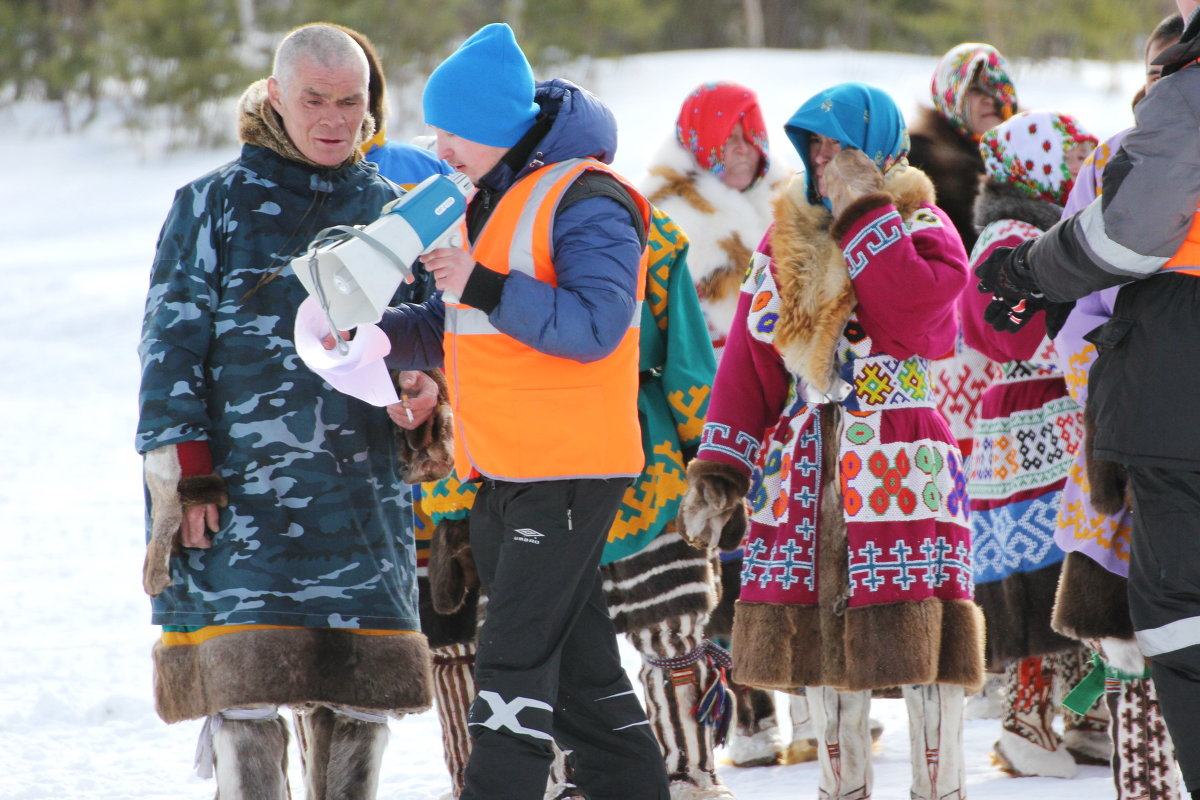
x=596, y=254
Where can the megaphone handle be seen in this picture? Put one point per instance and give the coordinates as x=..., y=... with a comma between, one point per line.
x=338, y=341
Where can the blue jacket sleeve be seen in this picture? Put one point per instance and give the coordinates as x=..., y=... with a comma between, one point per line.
x=177, y=327
x=596, y=256
x=415, y=331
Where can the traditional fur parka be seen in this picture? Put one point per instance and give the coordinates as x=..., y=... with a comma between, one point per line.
x=722, y=224
x=857, y=572
x=953, y=163
x=308, y=593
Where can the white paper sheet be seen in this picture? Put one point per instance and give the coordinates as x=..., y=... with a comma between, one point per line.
x=361, y=372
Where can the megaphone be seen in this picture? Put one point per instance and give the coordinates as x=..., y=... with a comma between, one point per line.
x=353, y=272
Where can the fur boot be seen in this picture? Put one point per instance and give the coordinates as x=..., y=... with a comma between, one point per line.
x=250, y=758
x=1085, y=736
x=935, y=730
x=453, y=688
x=844, y=751
x=755, y=740
x=1028, y=745
x=1143, y=756
x=675, y=672
x=804, y=738
x=341, y=752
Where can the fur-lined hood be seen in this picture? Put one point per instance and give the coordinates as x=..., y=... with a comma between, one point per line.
x=260, y=124
x=810, y=271
x=999, y=200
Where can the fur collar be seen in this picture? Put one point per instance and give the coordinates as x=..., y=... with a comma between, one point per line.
x=260, y=124
x=999, y=201
x=815, y=291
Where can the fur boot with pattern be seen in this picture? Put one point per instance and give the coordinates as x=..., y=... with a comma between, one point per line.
x=341, y=752
x=250, y=759
x=1028, y=745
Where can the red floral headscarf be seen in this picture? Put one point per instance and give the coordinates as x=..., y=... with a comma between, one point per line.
x=1029, y=151
x=708, y=117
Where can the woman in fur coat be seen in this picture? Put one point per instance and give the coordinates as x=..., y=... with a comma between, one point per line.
x=857, y=573
x=715, y=176
x=1095, y=524
x=970, y=92
x=1026, y=436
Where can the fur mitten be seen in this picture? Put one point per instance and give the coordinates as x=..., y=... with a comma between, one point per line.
x=171, y=494
x=849, y=176
x=713, y=505
x=427, y=453
x=452, y=573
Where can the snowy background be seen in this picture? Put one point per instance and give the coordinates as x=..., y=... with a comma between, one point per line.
x=80, y=217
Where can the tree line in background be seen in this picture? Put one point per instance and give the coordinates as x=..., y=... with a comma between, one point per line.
x=167, y=62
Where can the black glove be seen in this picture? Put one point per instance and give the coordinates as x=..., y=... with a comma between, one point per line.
x=1006, y=274
x=1009, y=317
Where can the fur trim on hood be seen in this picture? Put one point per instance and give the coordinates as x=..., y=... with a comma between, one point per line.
x=260, y=124
x=812, y=276
x=998, y=200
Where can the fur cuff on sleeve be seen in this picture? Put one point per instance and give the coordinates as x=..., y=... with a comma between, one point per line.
x=712, y=504
x=856, y=211
x=201, y=490
x=427, y=453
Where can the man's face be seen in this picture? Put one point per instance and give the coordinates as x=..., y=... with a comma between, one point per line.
x=322, y=109
x=470, y=158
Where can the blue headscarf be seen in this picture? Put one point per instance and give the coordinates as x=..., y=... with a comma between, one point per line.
x=860, y=117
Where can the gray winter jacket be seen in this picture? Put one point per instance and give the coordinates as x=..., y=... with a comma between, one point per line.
x=1144, y=388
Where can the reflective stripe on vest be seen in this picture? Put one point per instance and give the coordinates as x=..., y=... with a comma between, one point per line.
x=1187, y=257
x=520, y=414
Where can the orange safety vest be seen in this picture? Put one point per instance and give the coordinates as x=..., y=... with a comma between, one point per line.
x=520, y=414
x=1187, y=257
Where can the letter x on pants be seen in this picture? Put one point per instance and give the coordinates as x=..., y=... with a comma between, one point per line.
x=547, y=666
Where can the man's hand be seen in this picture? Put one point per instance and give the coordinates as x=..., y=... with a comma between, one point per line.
x=849, y=176
x=327, y=340
x=418, y=399
x=196, y=524
x=450, y=267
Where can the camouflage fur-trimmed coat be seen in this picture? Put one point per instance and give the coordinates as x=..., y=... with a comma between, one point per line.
x=316, y=543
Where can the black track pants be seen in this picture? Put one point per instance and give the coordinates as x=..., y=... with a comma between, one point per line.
x=1164, y=600
x=548, y=667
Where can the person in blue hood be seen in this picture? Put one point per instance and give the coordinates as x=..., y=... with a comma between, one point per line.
x=536, y=324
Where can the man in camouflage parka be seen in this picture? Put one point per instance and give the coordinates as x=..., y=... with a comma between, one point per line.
x=281, y=556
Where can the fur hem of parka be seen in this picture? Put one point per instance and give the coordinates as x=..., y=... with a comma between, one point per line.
x=941, y=645
x=286, y=666
x=1018, y=611
x=1091, y=603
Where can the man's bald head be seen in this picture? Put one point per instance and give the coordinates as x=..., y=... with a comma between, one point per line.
x=323, y=45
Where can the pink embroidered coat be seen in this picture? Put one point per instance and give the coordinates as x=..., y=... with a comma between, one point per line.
x=857, y=570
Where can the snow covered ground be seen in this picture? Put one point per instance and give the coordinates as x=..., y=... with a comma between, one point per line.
x=80, y=216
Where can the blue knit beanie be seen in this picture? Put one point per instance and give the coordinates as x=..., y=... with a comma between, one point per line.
x=484, y=90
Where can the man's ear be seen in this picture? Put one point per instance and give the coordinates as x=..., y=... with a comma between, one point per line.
x=274, y=93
